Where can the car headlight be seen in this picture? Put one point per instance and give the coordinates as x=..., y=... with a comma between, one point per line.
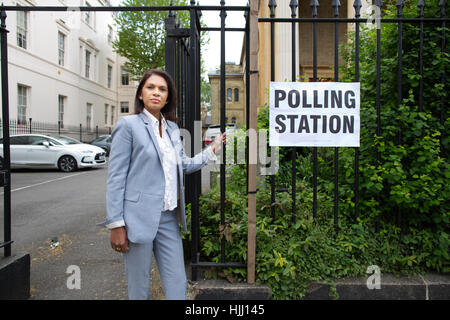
x=87, y=151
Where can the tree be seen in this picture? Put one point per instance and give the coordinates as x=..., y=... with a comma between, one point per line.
x=141, y=35
x=141, y=38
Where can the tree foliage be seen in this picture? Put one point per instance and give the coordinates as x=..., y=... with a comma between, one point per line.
x=141, y=35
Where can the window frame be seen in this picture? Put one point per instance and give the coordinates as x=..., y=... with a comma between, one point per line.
x=229, y=95
x=122, y=107
x=106, y=113
x=22, y=96
x=22, y=30
x=61, y=51
x=113, y=109
x=61, y=107
x=109, y=71
x=124, y=73
x=89, y=117
x=87, y=63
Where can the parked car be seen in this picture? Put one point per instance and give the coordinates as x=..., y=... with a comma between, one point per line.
x=214, y=130
x=64, y=153
x=103, y=142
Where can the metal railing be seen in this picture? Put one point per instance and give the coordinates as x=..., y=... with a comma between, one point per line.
x=357, y=20
x=81, y=133
x=183, y=63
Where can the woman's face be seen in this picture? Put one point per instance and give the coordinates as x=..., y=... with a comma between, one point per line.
x=154, y=94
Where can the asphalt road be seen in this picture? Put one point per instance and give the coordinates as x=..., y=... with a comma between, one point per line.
x=48, y=204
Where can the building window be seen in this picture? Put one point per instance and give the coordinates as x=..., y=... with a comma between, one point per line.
x=106, y=113
x=125, y=77
x=229, y=94
x=88, y=116
x=61, y=104
x=110, y=34
x=22, y=93
x=109, y=76
x=113, y=109
x=236, y=94
x=88, y=15
x=22, y=28
x=61, y=48
x=124, y=108
x=87, y=64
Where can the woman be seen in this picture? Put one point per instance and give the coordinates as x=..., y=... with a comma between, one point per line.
x=145, y=188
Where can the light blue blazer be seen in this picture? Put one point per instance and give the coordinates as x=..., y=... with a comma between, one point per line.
x=136, y=184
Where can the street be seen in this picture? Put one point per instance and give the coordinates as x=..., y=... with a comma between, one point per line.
x=54, y=216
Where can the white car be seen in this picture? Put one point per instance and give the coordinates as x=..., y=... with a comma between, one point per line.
x=214, y=130
x=38, y=151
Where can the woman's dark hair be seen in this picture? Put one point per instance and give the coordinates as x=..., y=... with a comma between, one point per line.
x=169, y=110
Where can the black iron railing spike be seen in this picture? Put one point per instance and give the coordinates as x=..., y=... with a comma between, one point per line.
x=314, y=4
x=293, y=4
x=272, y=6
x=335, y=4
x=442, y=5
x=421, y=6
x=400, y=4
x=357, y=5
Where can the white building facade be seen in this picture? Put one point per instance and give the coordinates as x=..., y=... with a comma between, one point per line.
x=62, y=66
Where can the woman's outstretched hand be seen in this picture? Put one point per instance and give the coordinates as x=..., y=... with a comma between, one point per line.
x=217, y=144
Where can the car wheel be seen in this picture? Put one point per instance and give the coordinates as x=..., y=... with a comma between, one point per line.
x=67, y=164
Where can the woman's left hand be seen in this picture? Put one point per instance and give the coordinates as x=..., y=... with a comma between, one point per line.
x=217, y=144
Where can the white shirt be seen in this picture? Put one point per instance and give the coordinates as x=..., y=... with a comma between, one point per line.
x=169, y=164
x=169, y=161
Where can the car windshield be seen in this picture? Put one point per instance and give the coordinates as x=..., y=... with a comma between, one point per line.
x=65, y=140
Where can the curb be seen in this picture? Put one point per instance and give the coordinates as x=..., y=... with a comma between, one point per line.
x=422, y=287
x=223, y=290
x=426, y=287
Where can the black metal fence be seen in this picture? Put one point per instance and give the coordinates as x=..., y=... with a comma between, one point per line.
x=81, y=133
x=357, y=20
x=182, y=62
x=183, y=59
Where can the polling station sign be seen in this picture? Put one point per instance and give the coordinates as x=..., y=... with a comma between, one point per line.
x=314, y=114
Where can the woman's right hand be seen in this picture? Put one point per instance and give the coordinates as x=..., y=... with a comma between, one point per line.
x=119, y=241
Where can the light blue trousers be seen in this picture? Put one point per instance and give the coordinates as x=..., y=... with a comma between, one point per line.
x=168, y=250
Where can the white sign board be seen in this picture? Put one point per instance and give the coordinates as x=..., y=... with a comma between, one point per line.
x=314, y=114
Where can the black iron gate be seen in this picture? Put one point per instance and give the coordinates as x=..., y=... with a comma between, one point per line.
x=183, y=63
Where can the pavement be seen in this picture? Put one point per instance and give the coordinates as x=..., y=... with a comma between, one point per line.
x=102, y=271
x=102, y=277
x=60, y=237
